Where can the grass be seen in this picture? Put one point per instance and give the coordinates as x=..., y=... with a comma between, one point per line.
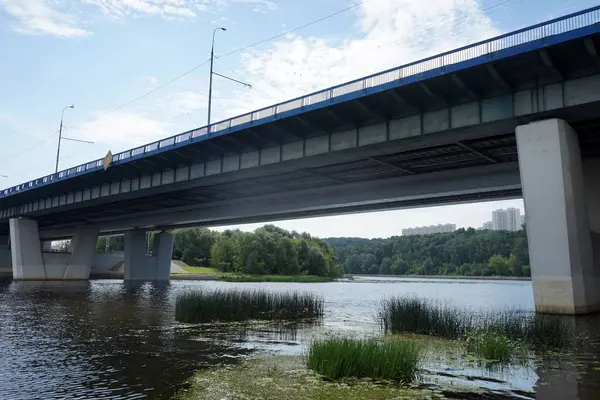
x=421, y=316
x=201, y=270
x=340, y=358
x=424, y=317
x=276, y=278
x=242, y=305
x=490, y=345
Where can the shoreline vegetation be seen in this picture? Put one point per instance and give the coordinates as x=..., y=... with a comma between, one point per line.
x=222, y=305
x=269, y=251
x=416, y=334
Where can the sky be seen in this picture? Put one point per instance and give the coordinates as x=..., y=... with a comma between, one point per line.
x=136, y=71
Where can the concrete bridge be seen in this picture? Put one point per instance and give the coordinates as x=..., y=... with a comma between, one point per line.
x=516, y=115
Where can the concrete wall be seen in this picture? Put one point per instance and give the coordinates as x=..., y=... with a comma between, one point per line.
x=105, y=261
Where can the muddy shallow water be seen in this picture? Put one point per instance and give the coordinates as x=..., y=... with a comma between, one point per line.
x=107, y=339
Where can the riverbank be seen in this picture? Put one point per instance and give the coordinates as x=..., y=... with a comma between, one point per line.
x=224, y=277
x=455, y=277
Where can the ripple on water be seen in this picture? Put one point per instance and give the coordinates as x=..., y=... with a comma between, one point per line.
x=110, y=340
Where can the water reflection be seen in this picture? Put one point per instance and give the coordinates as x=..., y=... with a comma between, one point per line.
x=107, y=339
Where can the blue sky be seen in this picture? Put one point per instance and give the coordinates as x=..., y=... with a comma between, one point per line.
x=101, y=54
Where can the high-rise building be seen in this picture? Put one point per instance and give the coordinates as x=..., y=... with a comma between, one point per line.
x=513, y=219
x=427, y=230
x=506, y=220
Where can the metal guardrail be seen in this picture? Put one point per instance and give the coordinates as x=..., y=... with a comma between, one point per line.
x=556, y=26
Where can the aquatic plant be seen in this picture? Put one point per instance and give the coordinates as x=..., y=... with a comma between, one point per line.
x=422, y=316
x=337, y=358
x=539, y=330
x=489, y=344
x=434, y=318
x=240, y=305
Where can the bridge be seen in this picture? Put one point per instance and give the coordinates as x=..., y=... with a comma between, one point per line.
x=515, y=115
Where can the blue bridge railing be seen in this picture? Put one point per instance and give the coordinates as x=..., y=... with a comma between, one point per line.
x=543, y=30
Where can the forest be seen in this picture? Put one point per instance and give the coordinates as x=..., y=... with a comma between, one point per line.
x=467, y=252
x=266, y=251
x=274, y=251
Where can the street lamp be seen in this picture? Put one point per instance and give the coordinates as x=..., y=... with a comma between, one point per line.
x=60, y=138
x=212, y=58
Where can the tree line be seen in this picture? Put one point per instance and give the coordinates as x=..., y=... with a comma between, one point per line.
x=463, y=252
x=266, y=251
x=274, y=251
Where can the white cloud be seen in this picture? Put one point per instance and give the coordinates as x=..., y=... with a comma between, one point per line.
x=165, y=8
x=122, y=130
x=37, y=17
x=389, y=33
x=184, y=102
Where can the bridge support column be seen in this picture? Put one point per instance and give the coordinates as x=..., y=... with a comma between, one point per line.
x=83, y=250
x=26, y=252
x=141, y=267
x=561, y=249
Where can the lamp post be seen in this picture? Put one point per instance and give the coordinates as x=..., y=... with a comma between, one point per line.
x=62, y=114
x=60, y=138
x=212, y=58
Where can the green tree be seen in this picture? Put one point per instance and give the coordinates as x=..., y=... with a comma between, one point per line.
x=386, y=266
x=316, y=264
x=499, y=264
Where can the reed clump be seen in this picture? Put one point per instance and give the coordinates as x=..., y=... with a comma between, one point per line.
x=241, y=305
x=339, y=358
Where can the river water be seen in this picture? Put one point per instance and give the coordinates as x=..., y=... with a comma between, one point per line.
x=105, y=339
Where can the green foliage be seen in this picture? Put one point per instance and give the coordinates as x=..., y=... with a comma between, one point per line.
x=464, y=252
x=353, y=358
x=267, y=251
x=421, y=316
x=193, y=246
x=426, y=317
x=243, y=305
x=490, y=345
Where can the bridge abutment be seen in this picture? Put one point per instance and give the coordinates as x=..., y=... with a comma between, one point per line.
x=142, y=267
x=561, y=208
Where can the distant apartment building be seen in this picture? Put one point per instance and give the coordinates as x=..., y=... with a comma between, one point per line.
x=488, y=225
x=428, y=230
x=505, y=220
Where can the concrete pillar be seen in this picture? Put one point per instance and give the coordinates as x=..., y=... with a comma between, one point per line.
x=163, y=251
x=83, y=250
x=139, y=266
x=558, y=229
x=26, y=252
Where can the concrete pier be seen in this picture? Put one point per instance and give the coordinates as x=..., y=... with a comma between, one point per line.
x=29, y=262
x=142, y=267
x=563, y=250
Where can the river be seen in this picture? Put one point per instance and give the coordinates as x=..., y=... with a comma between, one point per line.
x=105, y=339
